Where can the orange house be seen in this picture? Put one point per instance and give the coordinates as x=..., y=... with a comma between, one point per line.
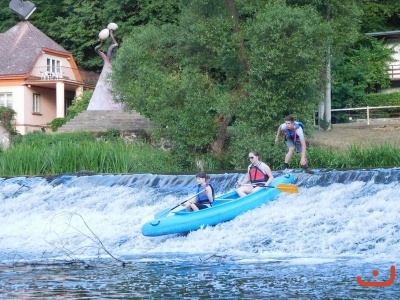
x=38, y=77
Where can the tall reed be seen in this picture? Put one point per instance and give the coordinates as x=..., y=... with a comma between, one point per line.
x=48, y=156
x=355, y=156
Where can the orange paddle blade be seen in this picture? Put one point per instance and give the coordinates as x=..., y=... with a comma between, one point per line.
x=287, y=188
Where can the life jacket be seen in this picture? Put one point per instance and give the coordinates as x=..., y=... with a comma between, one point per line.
x=291, y=135
x=257, y=174
x=203, y=197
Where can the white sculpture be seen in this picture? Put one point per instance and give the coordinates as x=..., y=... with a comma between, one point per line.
x=101, y=98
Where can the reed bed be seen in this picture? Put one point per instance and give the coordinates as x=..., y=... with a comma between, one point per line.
x=73, y=153
x=355, y=157
x=51, y=154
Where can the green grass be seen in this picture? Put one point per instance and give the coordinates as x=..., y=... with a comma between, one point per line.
x=355, y=157
x=51, y=154
x=45, y=154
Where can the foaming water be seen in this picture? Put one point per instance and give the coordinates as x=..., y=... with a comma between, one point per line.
x=68, y=213
x=352, y=218
x=339, y=219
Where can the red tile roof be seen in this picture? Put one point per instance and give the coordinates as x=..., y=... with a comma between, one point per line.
x=20, y=47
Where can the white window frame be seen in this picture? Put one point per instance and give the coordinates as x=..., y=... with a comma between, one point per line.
x=6, y=99
x=53, y=65
x=36, y=103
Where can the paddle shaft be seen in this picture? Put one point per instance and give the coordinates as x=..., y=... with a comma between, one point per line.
x=187, y=200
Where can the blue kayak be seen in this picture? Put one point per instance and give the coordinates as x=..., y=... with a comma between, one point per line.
x=225, y=208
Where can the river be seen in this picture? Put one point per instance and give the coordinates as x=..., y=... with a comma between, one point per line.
x=79, y=236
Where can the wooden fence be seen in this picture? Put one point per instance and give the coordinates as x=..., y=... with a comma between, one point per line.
x=357, y=114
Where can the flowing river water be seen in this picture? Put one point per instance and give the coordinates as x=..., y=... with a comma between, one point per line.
x=79, y=236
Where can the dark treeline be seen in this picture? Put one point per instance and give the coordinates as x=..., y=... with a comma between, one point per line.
x=198, y=69
x=76, y=24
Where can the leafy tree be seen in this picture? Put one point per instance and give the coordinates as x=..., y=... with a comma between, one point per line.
x=78, y=27
x=342, y=20
x=361, y=70
x=78, y=24
x=79, y=104
x=180, y=101
x=7, y=17
x=285, y=45
x=7, y=120
x=382, y=15
x=190, y=79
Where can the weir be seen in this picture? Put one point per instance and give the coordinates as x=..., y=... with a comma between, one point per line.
x=335, y=213
x=223, y=181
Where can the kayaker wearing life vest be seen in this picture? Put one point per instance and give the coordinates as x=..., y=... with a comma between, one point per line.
x=295, y=140
x=205, y=194
x=257, y=172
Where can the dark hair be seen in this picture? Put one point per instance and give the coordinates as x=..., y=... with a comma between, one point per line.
x=290, y=119
x=202, y=175
x=255, y=153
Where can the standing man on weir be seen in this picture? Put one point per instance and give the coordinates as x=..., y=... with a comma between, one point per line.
x=294, y=139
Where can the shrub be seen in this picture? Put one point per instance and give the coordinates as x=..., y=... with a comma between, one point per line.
x=7, y=116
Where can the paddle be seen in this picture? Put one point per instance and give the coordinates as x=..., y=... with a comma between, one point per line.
x=283, y=187
x=165, y=212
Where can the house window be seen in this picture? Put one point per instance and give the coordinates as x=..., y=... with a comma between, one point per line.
x=6, y=100
x=36, y=104
x=54, y=66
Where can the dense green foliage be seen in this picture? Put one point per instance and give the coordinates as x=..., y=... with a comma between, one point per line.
x=7, y=116
x=360, y=72
x=79, y=104
x=193, y=77
x=382, y=15
x=195, y=67
x=382, y=99
x=280, y=82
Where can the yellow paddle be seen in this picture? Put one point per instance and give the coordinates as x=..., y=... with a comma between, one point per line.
x=287, y=188
x=283, y=187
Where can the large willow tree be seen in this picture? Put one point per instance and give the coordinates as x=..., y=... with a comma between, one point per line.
x=245, y=63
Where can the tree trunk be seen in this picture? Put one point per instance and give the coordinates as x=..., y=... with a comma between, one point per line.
x=219, y=142
x=236, y=28
x=239, y=93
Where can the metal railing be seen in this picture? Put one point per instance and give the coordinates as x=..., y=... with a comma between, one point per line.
x=394, y=71
x=45, y=73
x=52, y=73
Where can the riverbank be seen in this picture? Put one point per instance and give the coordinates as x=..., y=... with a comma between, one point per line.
x=341, y=136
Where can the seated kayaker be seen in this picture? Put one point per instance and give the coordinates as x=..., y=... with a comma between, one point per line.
x=257, y=173
x=205, y=194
